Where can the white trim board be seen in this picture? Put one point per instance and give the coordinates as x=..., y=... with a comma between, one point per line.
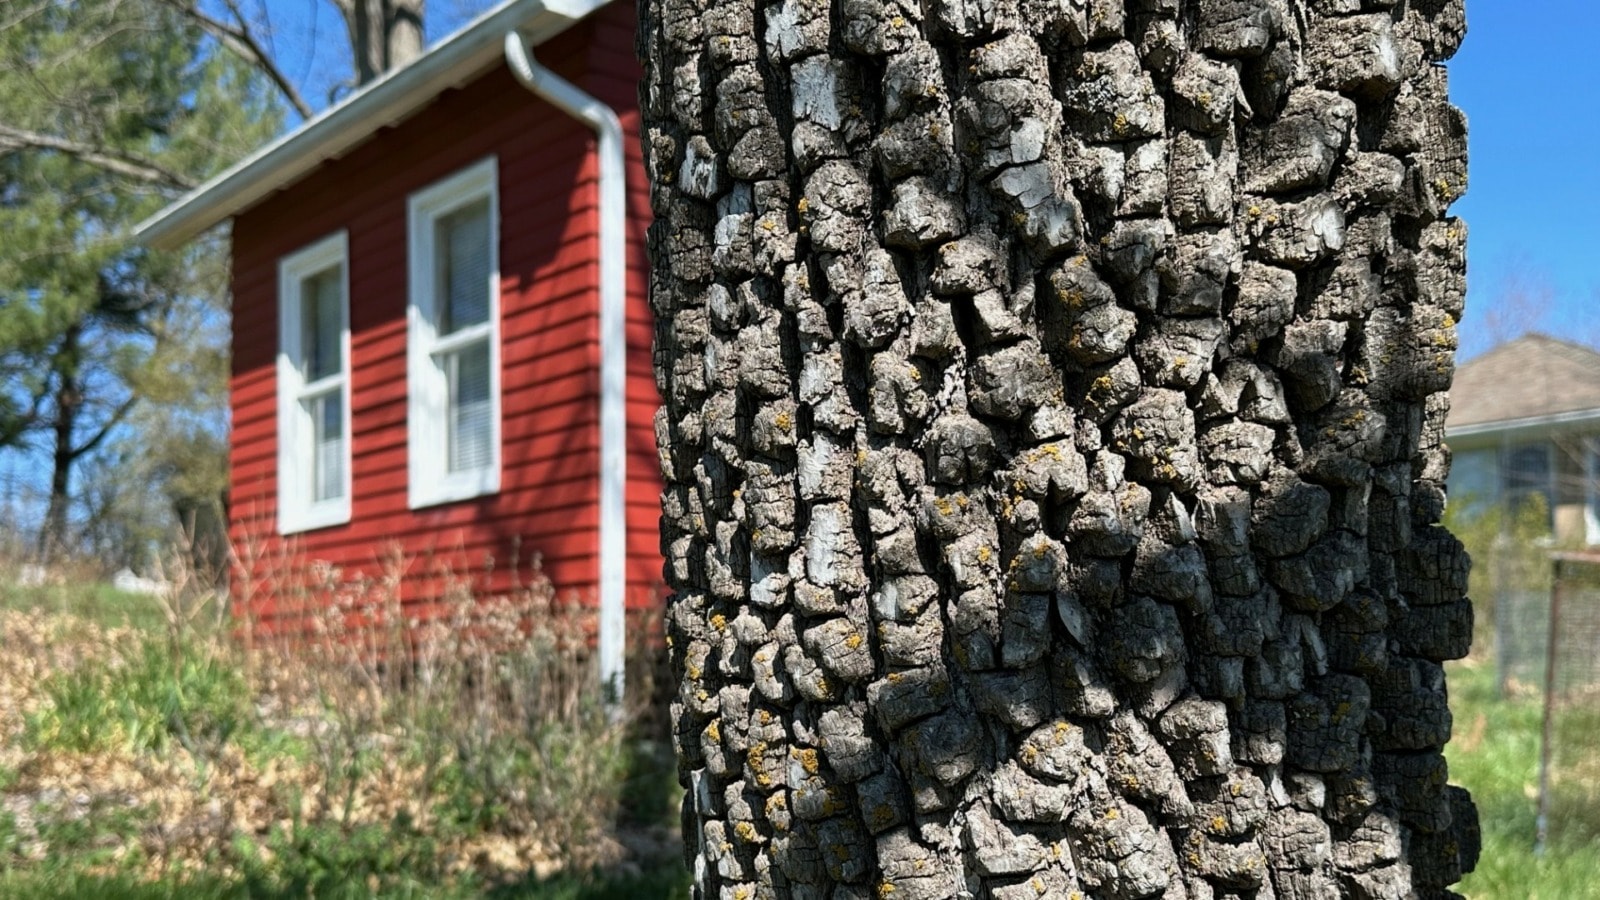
x=391, y=99
x=429, y=481
x=297, y=510
x=1513, y=427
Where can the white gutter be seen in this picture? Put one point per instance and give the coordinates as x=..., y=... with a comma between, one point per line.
x=1511, y=426
x=613, y=346
x=336, y=131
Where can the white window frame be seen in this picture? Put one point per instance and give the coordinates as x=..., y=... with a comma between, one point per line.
x=297, y=512
x=429, y=481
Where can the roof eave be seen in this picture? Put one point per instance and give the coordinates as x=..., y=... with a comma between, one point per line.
x=1529, y=423
x=391, y=99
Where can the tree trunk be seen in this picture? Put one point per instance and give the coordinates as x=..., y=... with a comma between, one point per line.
x=384, y=34
x=1054, y=402
x=63, y=428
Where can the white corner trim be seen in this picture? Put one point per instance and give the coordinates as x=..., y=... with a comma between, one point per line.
x=612, y=261
x=428, y=479
x=296, y=511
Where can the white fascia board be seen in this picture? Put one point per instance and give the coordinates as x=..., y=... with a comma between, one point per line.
x=392, y=98
x=1514, y=427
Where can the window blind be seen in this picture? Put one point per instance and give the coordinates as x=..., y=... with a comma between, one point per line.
x=320, y=324
x=470, y=409
x=327, y=416
x=464, y=247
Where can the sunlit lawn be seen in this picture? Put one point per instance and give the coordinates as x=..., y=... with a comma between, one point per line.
x=1495, y=754
x=69, y=884
x=101, y=604
x=95, y=713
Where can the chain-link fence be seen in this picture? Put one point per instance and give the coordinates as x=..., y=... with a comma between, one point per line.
x=1569, y=767
x=1515, y=573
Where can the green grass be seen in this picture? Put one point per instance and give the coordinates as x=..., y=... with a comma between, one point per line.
x=169, y=691
x=73, y=884
x=100, y=604
x=166, y=691
x=1495, y=754
x=165, y=695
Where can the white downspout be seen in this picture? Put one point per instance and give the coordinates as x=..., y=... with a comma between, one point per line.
x=613, y=266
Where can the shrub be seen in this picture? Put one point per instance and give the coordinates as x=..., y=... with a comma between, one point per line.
x=1509, y=547
x=492, y=702
x=167, y=690
x=381, y=746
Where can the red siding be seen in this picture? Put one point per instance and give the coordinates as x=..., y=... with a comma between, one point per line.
x=548, y=499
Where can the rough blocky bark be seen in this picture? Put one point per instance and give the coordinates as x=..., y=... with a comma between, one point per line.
x=1054, y=402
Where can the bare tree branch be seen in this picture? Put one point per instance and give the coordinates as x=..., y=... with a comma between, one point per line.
x=239, y=38
x=15, y=428
x=14, y=139
x=115, y=419
x=21, y=14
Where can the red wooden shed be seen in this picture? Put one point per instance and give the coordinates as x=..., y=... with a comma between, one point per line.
x=441, y=337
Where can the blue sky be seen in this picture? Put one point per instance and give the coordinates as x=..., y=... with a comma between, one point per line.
x=1531, y=90
x=309, y=39
x=1528, y=77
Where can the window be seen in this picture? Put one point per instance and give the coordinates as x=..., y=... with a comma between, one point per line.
x=1530, y=472
x=1591, y=500
x=314, y=387
x=454, y=346
x=1475, y=480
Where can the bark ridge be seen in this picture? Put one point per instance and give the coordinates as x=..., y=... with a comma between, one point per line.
x=1054, y=395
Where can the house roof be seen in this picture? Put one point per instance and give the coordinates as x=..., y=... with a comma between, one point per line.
x=396, y=96
x=1534, y=379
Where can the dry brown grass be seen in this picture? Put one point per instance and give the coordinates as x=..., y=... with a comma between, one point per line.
x=468, y=726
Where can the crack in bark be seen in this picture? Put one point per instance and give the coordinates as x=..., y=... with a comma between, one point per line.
x=1053, y=444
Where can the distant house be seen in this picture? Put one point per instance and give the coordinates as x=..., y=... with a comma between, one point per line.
x=441, y=333
x=1525, y=420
